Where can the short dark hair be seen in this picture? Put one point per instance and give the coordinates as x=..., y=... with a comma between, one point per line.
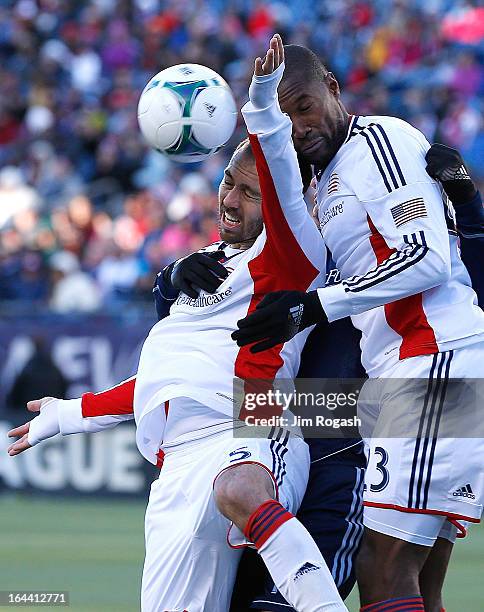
x=302, y=62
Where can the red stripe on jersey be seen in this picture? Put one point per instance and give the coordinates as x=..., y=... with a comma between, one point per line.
x=280, y=265
x=118, y=400
x=160, y=458
x=406, y=316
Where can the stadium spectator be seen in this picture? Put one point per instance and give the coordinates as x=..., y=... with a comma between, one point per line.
x=76, y=175
x=40, y=377
x=72, y=289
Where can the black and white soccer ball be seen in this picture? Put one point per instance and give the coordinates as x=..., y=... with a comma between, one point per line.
x=187, y=112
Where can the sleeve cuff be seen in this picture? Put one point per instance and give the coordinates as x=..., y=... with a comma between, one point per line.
x=335, y=302
x=70, y=416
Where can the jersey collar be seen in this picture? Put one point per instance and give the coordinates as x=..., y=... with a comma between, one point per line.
x=351, y=127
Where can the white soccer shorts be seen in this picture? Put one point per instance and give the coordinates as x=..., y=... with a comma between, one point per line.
x=415, y=486
x=189, y=563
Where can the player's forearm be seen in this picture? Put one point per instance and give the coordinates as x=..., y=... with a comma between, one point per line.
x=406, y=272
x=283, y=204
x=470, y=217
x=277, y=166
x=270, y=134
x=409, y=240
x=97, y=411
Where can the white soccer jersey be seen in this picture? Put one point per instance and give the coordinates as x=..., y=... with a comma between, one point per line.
x=381, y=216
x=191, y=353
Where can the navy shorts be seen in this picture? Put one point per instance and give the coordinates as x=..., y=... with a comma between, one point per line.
x=332, y=512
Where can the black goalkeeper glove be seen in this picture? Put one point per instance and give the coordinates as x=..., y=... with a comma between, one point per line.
x=278, y=317
x=198, y=271
x=447, y=166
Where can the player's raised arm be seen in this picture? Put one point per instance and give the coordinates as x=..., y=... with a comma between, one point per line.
x=87, y=414
x=284, y=210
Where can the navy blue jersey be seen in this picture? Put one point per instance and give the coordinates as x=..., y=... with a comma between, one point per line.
x=331, y=351
x=470, y=223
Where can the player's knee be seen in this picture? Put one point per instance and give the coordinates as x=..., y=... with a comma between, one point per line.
x=240, y=490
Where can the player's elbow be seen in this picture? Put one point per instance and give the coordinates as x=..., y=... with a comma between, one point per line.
x=439, y=267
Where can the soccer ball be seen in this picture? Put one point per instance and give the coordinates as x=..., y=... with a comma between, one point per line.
x=187, y=112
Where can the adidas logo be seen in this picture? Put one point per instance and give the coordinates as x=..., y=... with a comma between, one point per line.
x=305, y=569
x=462, y=174
x=455, y=174
x=296, y=313
x=185, y=70
x=210, y=109
x=464, y=491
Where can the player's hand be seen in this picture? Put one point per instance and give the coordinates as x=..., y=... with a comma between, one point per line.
x=447, y=166
x=273, y=58
x=267, y=75
x=199, y=271
x=277, y=318
x=42, y=427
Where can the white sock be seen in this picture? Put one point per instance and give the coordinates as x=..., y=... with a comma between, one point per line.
x=293, y=560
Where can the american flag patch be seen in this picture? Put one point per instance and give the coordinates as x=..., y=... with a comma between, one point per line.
x=409, y=210
x=333, y=184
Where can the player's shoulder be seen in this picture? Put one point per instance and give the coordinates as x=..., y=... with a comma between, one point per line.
x=386, y=152
x=382, y=127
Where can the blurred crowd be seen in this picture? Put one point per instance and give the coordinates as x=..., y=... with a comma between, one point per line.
x=88, y=214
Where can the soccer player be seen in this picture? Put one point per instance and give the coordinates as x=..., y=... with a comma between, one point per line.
x=332, y=506
x=319, y=508
x=183, y=407
x=406, y=289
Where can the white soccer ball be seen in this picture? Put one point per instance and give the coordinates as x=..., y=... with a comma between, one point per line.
x=187, y=112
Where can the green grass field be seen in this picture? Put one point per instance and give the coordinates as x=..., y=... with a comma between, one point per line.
x=94, y=550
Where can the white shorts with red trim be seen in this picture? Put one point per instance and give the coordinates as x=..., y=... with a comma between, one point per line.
x=416, y=528
x=189, y=564
x=430, y=477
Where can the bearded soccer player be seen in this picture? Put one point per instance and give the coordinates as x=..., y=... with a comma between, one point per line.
x=217, y=493
x=406, y=289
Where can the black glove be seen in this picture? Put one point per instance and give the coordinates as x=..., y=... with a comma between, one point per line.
x=447, y=166
x=198, y=271
x=164, y=293
x=278, y=317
